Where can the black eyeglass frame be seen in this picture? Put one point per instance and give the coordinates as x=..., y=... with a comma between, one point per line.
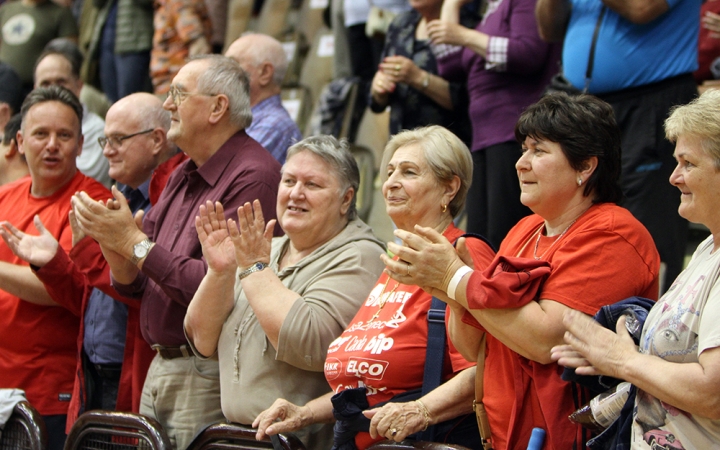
x=119, y=140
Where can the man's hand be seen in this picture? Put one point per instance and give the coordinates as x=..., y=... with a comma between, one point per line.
x=36, y=250
x=112, y=226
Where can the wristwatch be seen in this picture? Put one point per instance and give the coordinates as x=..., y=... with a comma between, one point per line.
x=257, y=267
x=140, y=250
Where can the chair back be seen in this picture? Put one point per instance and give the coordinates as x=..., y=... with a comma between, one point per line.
x=232, y=436
x=365, y=159
x=24, y=430
x=414, y=445
x=111, y=430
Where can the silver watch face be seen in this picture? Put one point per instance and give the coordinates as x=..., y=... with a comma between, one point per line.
x=140, y=250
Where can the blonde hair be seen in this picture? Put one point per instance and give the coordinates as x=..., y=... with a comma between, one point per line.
x=699, y=119
x=444, y=152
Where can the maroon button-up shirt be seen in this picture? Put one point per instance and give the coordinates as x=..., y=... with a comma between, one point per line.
x=240, y=171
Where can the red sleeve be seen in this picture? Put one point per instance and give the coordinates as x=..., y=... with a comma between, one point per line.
x=66, y=285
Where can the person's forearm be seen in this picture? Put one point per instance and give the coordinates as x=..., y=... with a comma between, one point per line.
x=208, y=310
x=270, y=300
x=434, y=87
x=450, y=11
x=552, y=18
x=21, y=282
x=321, y=409
x=464, y=337
x=531, y=330
x=452, y=398
x=662, y=379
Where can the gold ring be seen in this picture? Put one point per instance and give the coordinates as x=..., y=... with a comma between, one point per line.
x=397, y=67
x=393, y=432
x=408, y=269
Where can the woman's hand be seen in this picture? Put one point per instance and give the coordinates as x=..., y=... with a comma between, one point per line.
x=395, y=421
x=382, y=86
x=36, y=250
x=282, y=417
x=593, y=349
x=444, y=32
x=252, y=239
x=400, y=69
x=427, y=259
x=212, y=230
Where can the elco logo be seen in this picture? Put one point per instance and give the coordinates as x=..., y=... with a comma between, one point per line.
x=369, y=368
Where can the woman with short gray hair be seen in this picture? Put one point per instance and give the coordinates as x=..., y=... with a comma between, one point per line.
x=269, y=308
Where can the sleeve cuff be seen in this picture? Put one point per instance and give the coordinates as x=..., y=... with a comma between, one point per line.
x=497, y=54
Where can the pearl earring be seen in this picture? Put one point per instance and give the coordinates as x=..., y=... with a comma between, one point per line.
x=580, y=181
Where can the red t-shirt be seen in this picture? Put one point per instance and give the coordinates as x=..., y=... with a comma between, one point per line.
x=38, y=344
x=604, y=257
x=387, y=355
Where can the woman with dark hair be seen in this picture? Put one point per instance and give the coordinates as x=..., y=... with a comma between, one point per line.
x=591, y=251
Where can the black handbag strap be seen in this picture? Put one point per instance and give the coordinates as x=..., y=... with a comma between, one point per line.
x=591, y=57
x=435, y=350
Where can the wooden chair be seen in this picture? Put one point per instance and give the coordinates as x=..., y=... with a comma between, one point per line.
x=232, y=436
x=414, y=445
x=365, y=159
x=24, y=430
x=238, y=20
x=273, y=17
x=317, y=70
x=111, y=430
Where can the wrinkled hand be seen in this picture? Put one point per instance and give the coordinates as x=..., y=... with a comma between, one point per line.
x=711, y=21
x=593, y=349
x=443, y=32
x=281, y=417
x=36, y=250
x=427, y=259
x=400, y=69
x=395, y=421
x=252, y=239
x=382, y=86
x=214, y=237
x=112, y=226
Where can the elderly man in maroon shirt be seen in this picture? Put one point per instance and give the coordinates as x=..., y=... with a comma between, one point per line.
x=161, y=261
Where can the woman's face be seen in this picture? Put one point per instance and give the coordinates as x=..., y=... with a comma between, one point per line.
x=412, y=193
x=548, y=183
x=699, y=182
x=311, y=207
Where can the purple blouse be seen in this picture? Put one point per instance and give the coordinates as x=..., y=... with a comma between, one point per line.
x=517, y=69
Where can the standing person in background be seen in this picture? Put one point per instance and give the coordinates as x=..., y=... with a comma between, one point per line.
x=265, y=63
x=507, y=67
x=27, y=26
x=182, y=30
x=407, y=79
x=645, y=54
x=60, y=65
x=12, y=163
x=11, y=93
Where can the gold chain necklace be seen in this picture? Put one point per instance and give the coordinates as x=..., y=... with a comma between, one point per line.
x=383, y=300
x=537, y=241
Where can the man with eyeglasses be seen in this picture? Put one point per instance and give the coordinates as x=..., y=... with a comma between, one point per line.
x=162, y=263
x=60, y=66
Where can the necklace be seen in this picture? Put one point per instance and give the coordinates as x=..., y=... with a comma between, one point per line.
x=537, y=241
x=383, y=299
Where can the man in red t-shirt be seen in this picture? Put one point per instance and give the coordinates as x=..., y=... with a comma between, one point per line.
x=37, y=336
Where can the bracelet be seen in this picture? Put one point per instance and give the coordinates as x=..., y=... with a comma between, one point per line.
x=425, y=412
x=455, y=280
x=426, y=80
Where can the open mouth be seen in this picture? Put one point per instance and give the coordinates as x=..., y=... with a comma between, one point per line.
x=296, y=209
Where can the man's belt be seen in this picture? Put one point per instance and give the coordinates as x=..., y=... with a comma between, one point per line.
x=182, y=351
x=108, y=371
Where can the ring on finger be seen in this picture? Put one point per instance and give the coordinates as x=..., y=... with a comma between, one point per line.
x=393, y=432
x=408, y=269
x=397, y=68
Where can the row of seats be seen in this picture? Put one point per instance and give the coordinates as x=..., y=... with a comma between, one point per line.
x=109, y=430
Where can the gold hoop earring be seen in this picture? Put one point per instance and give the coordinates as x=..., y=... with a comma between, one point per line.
x=444, y=207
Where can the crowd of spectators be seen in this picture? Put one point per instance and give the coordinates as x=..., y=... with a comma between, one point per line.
x=174, y=247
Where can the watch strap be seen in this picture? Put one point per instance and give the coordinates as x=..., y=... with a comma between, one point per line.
x=256, y=267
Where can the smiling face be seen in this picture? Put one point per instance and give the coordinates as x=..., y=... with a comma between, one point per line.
x=412, y=193
x=311, y=206
x=50, y=139
x=699, y=182
x=133, y=161
x=548, y=183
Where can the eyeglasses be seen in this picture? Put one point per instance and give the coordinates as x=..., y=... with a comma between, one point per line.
x=116, y=141
x=179, y=96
